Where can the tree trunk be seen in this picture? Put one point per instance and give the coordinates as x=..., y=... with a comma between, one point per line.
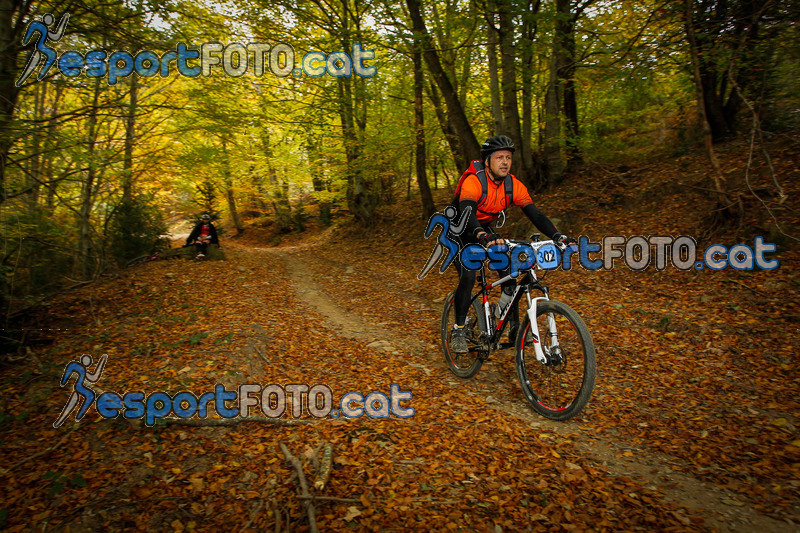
x=723, y=201
x=428, y=207
x=551, y=150
x=551, y=146
x=320, y=185
x=362, y=201
x=458, y=119
x=726, y=33
x=464, y=84
x=12, y=13
x=528, y=37
x=448, y=181
x=494, y=82
x=447, y=129
x=88, y=189
x=448, y=55
x=229, y=194
x=510, y=104
x=214, y=253
x=722, y=125
x=257, y=179
x=320, y=180
x=410, y=175
x=130, y=139
x=279, y=201
x=566, y=29
x=50, y=143
x=237, y=220
x=34, y=177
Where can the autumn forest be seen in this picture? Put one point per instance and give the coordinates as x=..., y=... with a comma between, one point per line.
x=320, y=137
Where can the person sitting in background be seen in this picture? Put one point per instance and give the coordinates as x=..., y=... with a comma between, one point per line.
x=203, y=234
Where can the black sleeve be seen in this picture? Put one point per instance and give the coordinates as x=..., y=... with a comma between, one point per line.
x=473, y=226
x=214, y=238
x=540, y=220
x=193, y=235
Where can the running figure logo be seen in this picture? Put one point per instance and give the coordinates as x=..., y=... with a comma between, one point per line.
x=74, y=367
x=42, y=51
x=445, y=243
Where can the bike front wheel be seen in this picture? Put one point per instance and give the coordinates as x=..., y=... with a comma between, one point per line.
x=463, y=365
x=560, y=387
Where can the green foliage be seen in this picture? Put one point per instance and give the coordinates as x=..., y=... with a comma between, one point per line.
x=196, y=338
x=133, y=229
x=269, y=147
x=284, y=221
x=206, y=195
x=635, y=98
x=36, y=254
x=59, y=481
x=780, y=110
x=300, y=216
x=6, y=418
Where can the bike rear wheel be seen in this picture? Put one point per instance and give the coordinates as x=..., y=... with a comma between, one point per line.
x=560, y=388
x=467, y=364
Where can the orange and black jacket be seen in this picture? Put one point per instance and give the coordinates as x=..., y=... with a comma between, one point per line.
x=487, y=206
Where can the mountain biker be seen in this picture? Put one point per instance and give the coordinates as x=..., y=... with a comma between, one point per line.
x=488, y=196
x=203, y=234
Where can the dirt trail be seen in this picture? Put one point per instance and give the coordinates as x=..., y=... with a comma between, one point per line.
x=721, y=509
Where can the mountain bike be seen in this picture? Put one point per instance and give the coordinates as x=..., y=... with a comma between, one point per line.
x=554, y=351
x=160, y=250
x=155, y=256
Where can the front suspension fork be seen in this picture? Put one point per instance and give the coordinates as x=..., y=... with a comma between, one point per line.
x=551, y=326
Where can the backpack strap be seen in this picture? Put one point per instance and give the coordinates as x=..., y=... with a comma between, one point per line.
x=481, y=173
x=508, y=187
x=477, y=168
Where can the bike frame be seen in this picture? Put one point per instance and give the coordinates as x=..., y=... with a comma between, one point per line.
x=494, y=335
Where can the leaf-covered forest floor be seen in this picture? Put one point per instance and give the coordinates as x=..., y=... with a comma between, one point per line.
x=692, y=425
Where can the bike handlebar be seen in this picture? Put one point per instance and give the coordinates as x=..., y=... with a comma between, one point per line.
x=511, y=243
